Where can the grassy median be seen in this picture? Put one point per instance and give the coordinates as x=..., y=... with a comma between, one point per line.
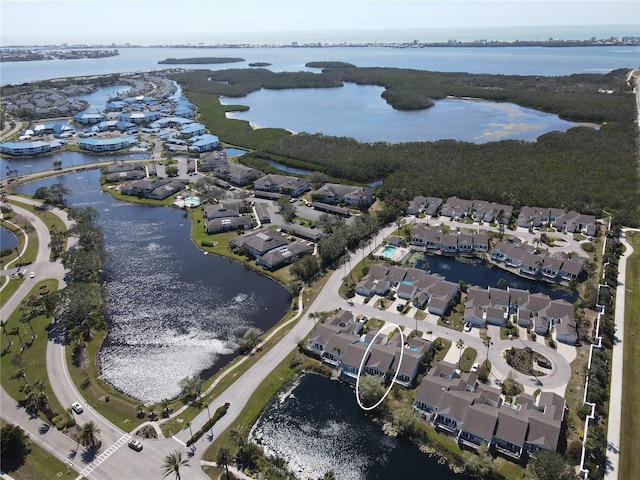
x=630, y=427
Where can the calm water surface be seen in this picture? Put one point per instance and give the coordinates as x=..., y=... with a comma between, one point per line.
x=317, y=426
x=507, y=60
x=359, y=112
x=174, y=311
x=483, y=274
x=7, y=239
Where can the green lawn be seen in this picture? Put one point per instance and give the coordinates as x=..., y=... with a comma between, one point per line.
x=630, y=427
x=120, y=409
x=468, y=358
x=32, y=358
x=40, y=464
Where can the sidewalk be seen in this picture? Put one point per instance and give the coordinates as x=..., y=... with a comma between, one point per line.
x=615, y=403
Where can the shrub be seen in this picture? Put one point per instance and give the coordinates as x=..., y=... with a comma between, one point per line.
x=220, y=411
x=483, y=373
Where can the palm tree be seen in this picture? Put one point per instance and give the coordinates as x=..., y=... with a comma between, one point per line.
x=172, y=464
x=238, y=435
x=164, y=404
x=89, y=435
x=3, y=325
x=487, y=341
x=223, y=459
x=500, y=220
x=16, y=331
x=460, y=346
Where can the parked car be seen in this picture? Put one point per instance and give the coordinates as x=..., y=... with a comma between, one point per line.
x=77, y=407
x=467, y=327
x=475, y=367
x=135, y=445
x=544, y=363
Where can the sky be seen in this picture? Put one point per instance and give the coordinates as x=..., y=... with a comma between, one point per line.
x=33, y=22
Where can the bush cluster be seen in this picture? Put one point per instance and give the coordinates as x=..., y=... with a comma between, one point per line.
x=220, y=411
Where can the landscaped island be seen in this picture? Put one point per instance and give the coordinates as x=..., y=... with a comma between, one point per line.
x=200, y=60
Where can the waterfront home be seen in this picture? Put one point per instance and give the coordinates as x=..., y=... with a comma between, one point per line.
x=477, y=414
x=449, y=243
x=427, y=205
x=380, y=360
x=203, y=143
x=481, y=241
x=511, y=432
x=571, y=268
x=106, y=144
x=157, y=189
x=166, y=190
x=480, y=422
x=284, y=184
x=550, y=266
x=125, y=176
x=226, y=224
x=258, y=242
x=465, y=243
x=320, y=337
x=25, y=148
x=278, y=257
x=124, y=167
x=494, y=306
x=335, y=193
x=424, y=236
x=530, y=263
x=191, y=130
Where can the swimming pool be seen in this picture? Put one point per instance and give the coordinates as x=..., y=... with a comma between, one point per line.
x=388, y=251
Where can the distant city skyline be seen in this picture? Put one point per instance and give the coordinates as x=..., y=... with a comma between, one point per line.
x=152, y=22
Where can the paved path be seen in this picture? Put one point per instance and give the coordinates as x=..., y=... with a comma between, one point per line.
x=617, y=364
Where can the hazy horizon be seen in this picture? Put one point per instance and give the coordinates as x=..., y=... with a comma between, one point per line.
x=162, y=22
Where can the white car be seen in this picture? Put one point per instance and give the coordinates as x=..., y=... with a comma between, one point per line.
x=467, y=327
x=77, y=407
x=135, y=445
x=32, y=275
x=475, y=367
